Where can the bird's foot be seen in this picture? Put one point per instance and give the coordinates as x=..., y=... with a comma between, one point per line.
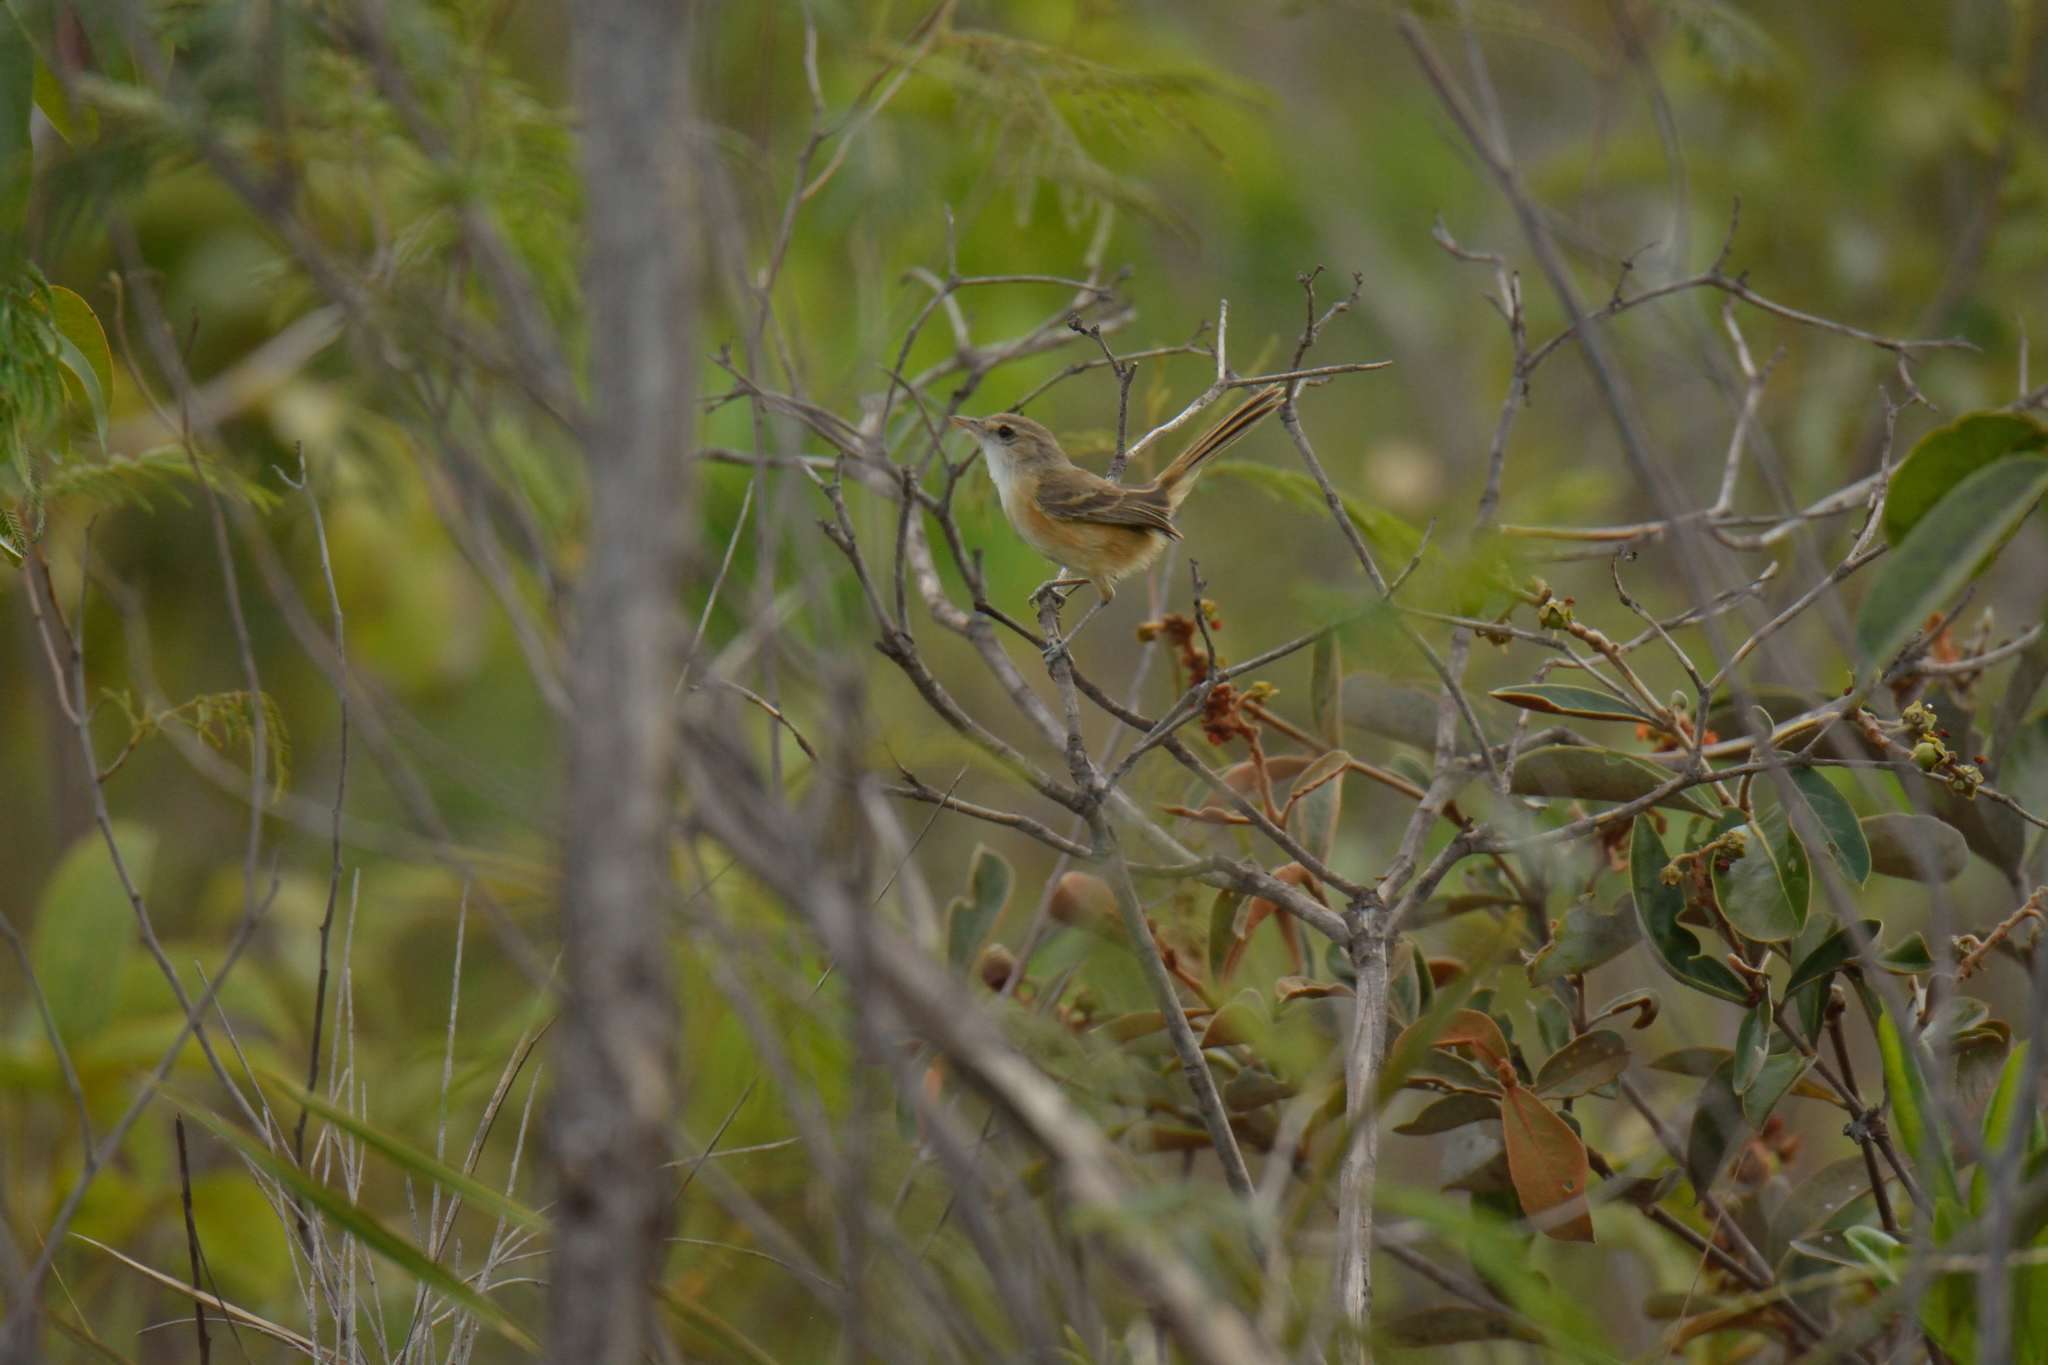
x=1053, y=590
x=1056, y=649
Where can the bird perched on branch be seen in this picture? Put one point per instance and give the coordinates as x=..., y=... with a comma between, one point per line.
x=1098, y=531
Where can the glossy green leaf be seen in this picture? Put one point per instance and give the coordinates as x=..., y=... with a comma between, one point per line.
x=1563, y=699
x=1657, y=910
x=1835, y=951
x=1947, y=548
x=1913, y=1119
x=1765, y=892
x=85, y=925
x=1590, y=774
x=1915, y=847
x=1837, y=820
x=1944, y=457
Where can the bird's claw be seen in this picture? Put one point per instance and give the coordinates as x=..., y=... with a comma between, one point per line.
x=1051, y=591
x=1055, y=650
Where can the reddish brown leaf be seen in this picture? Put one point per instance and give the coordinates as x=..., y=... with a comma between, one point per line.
x=1125, y=1027
x=1470, y=1028
x=1243, y=778
x=1261, y=909
x=1303, y=988
x=1547, y=1162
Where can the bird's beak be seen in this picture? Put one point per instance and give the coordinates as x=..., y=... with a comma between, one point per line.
x=966, y=424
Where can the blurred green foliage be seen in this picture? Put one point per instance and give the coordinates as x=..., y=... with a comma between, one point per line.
x=1892, y=171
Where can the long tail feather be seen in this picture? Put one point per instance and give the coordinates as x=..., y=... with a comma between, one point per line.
x=1179, y=476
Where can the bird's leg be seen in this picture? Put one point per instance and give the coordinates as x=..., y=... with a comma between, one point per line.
x=1055, y=589
x=1057, y=646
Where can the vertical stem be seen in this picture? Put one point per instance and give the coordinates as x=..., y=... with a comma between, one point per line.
x=1357, y=1176
x=617, y=1048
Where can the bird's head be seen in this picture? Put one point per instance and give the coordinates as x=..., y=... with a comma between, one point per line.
x=1013, y=444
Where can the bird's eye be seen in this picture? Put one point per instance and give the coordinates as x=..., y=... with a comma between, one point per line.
x=1006, y=432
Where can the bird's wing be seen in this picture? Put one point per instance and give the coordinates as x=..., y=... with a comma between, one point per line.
x=1096, y=500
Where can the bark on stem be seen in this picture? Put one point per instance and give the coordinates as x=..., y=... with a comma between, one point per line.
x=617, y=1093
x=1357, y=1175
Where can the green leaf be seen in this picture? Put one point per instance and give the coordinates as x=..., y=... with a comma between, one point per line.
x=1591, y=774
x=1390, y=535
x=77, y=124
x=1254, y=1089
x=1837, y=819
x=1326, y=690
x=1946, y=548
x=1765, y=892
x=1908, y=957
x=1562, y=699
x=969, y=919
x=85, y=926
x=1752, y=1045
x=1316, y=818
x=1586, y=1063
x=88, y=363
x=1999, y=1116
x=1450, y=1112
x=1902, y=845
x=1835, y=951
x=1913, y=1118
x=1692, y=1061
x=408, y=1158
x=17, y=153
x=1810, y=1207
x=1223, y=933
x=1946, y=456
x=1657, y=909
x=732, y=1343
x=1779, y=1073
x=1451, y=1324
x=1392, y=710
x=1584, y=940
x=362, y=1225
x=1717, y=1130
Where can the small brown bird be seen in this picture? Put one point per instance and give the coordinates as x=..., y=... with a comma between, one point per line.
x=1098, y=530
